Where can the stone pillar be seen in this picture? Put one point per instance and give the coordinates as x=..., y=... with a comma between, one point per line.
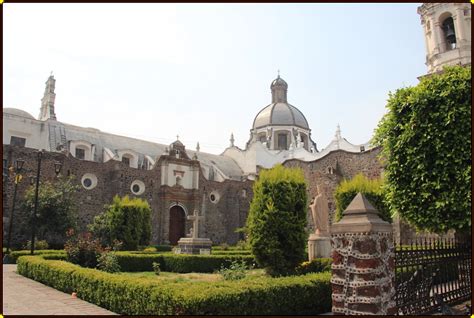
x=363, y=268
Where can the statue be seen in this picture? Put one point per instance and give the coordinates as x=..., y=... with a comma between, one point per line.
x=320, y=213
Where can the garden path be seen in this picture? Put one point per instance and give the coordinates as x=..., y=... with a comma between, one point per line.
x=23, y=296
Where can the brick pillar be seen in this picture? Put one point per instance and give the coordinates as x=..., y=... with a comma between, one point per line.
x=363, y=268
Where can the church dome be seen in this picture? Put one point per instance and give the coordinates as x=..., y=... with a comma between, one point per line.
x=279, y=82
x=17, y=112
x=280, y=114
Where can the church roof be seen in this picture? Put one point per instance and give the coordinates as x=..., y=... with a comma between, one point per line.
x=280, y=114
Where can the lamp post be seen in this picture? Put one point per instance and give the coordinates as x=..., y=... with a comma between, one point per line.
x=33, y=224
x=18, y=167
x=33, y=180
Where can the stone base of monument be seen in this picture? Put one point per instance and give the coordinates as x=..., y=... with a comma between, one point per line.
x=191, y=245
x=319, y=246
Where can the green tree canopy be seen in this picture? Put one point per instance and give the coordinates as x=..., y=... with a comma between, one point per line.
x=277, y=220
x=56, y=211
x=126, y=220
x=426, y=140
x=372, y=189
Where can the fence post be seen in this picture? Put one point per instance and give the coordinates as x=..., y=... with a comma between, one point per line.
x=363, y=268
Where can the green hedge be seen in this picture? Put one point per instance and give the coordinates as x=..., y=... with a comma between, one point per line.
x=231, y=252
x=14, y=255
x=315, y=266
x=295, y=295
x=177, y=263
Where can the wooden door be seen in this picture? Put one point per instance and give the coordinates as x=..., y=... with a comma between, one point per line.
x=177, y=223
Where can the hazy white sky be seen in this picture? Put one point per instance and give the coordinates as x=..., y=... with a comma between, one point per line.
x=152, y=71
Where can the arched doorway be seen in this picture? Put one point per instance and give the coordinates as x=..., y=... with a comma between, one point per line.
x=177, y=223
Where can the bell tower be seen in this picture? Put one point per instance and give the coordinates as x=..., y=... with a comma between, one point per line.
x=447, y=30
x=47, y=102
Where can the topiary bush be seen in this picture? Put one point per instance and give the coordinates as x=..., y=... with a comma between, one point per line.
x=426, y=146
x=372, y=189
x=277, y=220
x=126, y=220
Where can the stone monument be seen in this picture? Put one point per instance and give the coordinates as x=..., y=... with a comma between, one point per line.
x=194, y=244
x=319, y=242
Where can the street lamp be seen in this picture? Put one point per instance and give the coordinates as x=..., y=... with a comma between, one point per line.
x=18, y=167
x=33, y=225
x=33, y=180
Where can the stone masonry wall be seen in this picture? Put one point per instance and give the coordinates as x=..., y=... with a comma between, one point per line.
x=115, y=178
x=330, y=170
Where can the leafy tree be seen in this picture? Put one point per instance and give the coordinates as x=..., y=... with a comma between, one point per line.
x=277, y=220
x=126, y=220
x=372, y=189
x=56, y=211
x=426, y=140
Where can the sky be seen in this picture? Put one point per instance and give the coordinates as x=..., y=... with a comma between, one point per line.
x=203, y=71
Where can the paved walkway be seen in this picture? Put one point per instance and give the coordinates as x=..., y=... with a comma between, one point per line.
x=23, y=296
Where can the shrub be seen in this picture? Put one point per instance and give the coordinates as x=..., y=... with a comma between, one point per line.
x=235, y=271
x=108, y=262
x=39, y=245
x=426, y=145
x=371, y=189
x=127, y=220
x=156, y=268
x=127, y=295
x=83, y=250
x=316, y=265
x=14, y=255
x=277, y=220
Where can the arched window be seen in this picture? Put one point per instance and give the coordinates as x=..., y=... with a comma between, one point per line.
x=282, y=141
x=126, y=159
x=80, y=153
x=449, y=33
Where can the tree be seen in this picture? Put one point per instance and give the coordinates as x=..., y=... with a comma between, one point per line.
x=426, y=141
x=57, y=210
x=276, y=223
x=126, y=220
x=373, y=190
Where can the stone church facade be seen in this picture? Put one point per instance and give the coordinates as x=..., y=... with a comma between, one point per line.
x=175, y=180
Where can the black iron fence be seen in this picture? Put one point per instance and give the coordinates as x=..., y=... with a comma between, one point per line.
x=430, y=272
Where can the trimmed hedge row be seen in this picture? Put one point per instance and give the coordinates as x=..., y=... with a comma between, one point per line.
x=308, y=294
x=15, y=254
x=178, y=263
x=231, y=252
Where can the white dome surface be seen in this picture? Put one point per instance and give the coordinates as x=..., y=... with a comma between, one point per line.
x=17, y=112
x=280, y=114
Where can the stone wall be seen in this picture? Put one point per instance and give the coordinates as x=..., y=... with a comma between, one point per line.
x=329, y=171
x=115, y=178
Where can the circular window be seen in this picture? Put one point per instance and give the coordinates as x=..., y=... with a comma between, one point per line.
x=89, y=181
x=214, y=197
x=137, y=187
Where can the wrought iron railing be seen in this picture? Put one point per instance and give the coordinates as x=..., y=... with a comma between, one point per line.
x=429, y=267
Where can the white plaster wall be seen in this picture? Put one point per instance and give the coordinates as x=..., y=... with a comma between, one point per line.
x=131, y=154
x=35, y=131
x=188, y=181
x=88, y=155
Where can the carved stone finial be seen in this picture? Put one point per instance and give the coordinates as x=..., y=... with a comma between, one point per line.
x=232, y=139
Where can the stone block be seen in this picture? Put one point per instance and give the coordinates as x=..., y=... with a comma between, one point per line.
x=319, y=247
